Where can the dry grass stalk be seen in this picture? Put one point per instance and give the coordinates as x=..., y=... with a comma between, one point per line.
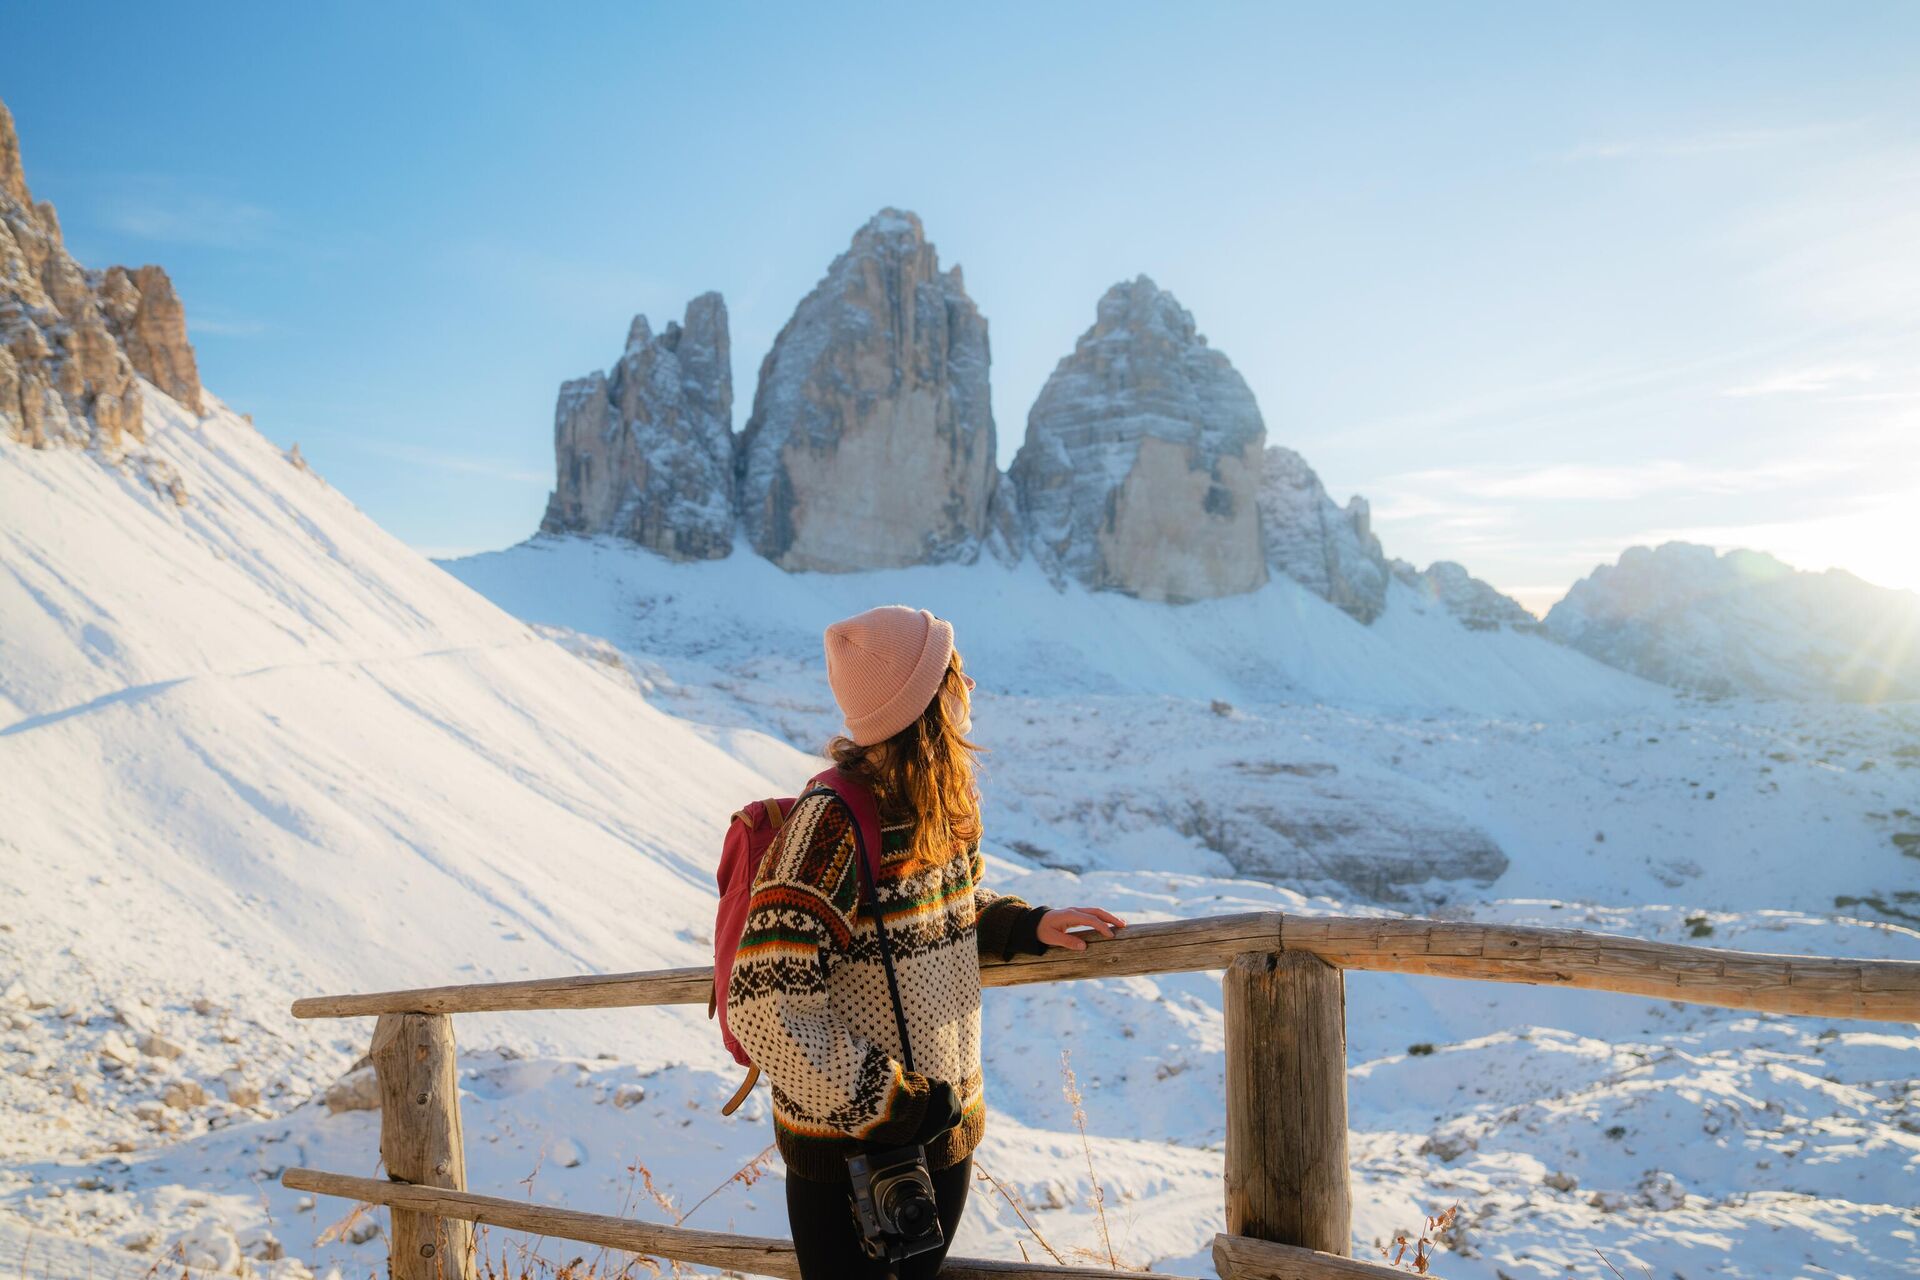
x=1609, y=1261
x=1024, y=1220
x=1099, y=1196
x=746, y=1175
x=1422, y=1259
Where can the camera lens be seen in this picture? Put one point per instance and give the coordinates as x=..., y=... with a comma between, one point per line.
x=907, y=1204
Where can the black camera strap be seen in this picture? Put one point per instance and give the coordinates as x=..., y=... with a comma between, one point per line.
x=873, y=903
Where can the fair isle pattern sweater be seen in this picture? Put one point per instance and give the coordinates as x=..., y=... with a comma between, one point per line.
x=808, y=994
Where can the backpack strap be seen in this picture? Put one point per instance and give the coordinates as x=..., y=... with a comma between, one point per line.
x=740, y=1094
x=850, y=799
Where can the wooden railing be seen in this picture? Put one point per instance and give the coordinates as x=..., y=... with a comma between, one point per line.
x=1288, y=1202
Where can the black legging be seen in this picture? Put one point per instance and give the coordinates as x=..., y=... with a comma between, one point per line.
x=826, y=1240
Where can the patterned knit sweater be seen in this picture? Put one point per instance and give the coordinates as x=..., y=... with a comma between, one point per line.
x=808, y=994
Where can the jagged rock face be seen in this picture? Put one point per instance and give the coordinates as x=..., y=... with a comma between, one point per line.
x=1330, y=550
x=65, y=377
x=1474, y=603
x=144, y=314
x=871, y=443
x=1744, y=623
x=647, y=453
x=1141, y=468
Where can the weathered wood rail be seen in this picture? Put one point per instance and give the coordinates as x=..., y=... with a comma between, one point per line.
x=1288, y=1201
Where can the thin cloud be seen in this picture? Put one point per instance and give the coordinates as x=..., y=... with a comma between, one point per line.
x=236, y=328
x=1807, y=380
x=1715, y=142
x=463, y=464
x=1440, y=490
x=163, y=210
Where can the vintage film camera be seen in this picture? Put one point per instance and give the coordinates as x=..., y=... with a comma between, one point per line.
x=893, y=1203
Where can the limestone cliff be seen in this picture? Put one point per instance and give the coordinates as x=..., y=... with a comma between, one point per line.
x=1141, y=467
x=647, y=452
x=871, y=442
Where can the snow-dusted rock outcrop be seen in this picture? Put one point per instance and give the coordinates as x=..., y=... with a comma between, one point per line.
x=1141, y=467
x=1328, y=549
x=871, y=442
x=145, y=316
x=1744, y=623
x=1474, y=603
x=72, y=342
x=647, y=453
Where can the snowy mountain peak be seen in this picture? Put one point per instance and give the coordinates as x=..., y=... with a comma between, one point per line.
x=890, y=224
x=1141, y=468
x=1140, y=305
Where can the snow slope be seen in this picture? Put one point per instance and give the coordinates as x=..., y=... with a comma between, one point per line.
x=280, y=752
x=1281, y=643
x=254, y=748
x=1380, y=762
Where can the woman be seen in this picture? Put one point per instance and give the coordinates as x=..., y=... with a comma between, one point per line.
x=808, y=994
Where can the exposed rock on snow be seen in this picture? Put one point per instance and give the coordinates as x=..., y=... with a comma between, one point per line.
x=1476, y=604
x=356, y=1091
x=1744, y=623
x=183, y=1095
x=1141, y=468
x=1327, y=549
x=158, y=1046
x=647, y=454
x=1312, y=824
x=871, y=443
x=65, y=376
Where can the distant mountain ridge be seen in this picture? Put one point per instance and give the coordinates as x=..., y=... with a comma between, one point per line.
x=1744, y=623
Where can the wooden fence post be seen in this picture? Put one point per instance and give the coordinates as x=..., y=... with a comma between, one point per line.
x=413, y=1057
x=1287, y=1177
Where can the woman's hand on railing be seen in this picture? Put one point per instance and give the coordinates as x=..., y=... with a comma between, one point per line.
x=1053, y=926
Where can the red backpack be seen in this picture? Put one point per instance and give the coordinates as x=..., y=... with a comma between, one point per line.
x=750, y=833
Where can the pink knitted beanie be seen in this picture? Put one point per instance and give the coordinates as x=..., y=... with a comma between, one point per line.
x=885, y=666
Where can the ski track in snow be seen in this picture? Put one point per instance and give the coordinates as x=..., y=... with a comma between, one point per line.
x=257, y=749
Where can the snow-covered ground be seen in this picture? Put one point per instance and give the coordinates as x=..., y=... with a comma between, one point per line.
x=254, y=748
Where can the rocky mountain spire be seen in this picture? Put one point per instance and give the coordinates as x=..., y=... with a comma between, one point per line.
x=647, y=453
x=871, y=442
x=1141, y=467
x=13, y=178
x=72, y=341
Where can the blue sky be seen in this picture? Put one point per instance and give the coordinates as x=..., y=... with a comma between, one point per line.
x=1542, y=281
